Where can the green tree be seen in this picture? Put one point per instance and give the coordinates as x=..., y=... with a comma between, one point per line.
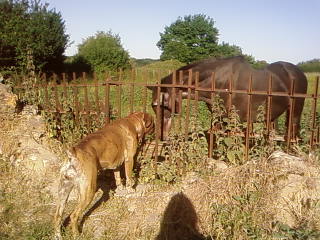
x=104, y=52
x=189, y=39
x=30, y=31
x=227, y=50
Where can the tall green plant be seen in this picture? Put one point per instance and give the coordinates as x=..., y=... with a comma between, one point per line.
x=227, y=128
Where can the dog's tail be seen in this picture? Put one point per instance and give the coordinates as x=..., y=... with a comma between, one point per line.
x=68, y=174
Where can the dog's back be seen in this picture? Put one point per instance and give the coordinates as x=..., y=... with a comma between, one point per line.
x=107, y=146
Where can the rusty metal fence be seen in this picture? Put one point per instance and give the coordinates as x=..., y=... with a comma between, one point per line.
x=114, y=97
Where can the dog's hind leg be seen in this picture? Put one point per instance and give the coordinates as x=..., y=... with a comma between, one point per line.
x=65, y=186
x=117, y=177
x=87, y=189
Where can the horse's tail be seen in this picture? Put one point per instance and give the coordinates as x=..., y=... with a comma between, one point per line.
x=68, y=174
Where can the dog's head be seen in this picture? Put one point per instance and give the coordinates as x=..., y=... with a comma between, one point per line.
x=146, y=125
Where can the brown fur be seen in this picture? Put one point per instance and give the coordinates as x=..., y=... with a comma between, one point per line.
x=108, y=148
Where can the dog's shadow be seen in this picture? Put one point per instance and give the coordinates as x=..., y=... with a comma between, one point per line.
x=106, y=182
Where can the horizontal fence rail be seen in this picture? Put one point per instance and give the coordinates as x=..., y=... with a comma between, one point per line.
x=95, y=101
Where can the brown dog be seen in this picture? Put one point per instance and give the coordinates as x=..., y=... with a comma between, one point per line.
x=108, y=148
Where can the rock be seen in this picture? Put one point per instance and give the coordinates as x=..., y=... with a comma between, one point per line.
x=23, y=137
x=7, y=99
x=216, y=164
x=298, y=187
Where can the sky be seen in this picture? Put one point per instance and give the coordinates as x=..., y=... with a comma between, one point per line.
x=271, y=30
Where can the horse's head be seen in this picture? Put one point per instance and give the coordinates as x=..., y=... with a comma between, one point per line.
x=165, y=101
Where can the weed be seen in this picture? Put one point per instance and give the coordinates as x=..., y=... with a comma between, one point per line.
x=227, y=129
x=302, y=232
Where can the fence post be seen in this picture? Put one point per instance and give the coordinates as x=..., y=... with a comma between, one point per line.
x=96, y=93
x=58, y=108
x=248, y=118
x=291, y=110
x=230, y=88
x=64, y=83
x=173, y=97
x=144, y=77
x=158, y=128
x=56, y=94
x=86, y=109
x=269, y=106
x=180, y=98
x=106, y=100
x=119, y=93
x=132, y=90
x=196, y=93
x=314, y=113
x=213, y=88
x=46, y=92
x=188, y=103
x=76, y=100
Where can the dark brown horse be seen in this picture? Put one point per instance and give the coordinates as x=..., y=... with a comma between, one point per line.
x=239, y=71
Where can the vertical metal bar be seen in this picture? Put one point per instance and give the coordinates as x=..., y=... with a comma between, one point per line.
x=213, y=88
x=188, y=103
x=46, y=93
x=196, y=104
x=106, y=100
x=230, y=88
x=269, y=103
x=173, y=98
x=76, y=100
x=86, y=101
x=144, y=76
x=314, y=112
x=65, y=88
x=158, y=127
x=291, y=109
x=96, y=93
x=248, y=118
x=132, y=90
x=180, y=98
x=56, y=94
x=119, y=93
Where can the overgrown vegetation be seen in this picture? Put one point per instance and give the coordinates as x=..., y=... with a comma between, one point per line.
x=232, y=200
x=310, y=66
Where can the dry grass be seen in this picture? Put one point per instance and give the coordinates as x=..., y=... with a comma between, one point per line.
x=236, y=203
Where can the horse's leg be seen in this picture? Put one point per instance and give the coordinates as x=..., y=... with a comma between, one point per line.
x=298, y=104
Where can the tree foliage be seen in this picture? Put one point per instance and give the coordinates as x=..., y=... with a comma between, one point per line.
x=30, y=30
x=192, y=38
x=104, y=52
x=188, y=39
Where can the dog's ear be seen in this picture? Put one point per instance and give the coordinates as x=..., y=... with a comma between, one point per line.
x=148, y=121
